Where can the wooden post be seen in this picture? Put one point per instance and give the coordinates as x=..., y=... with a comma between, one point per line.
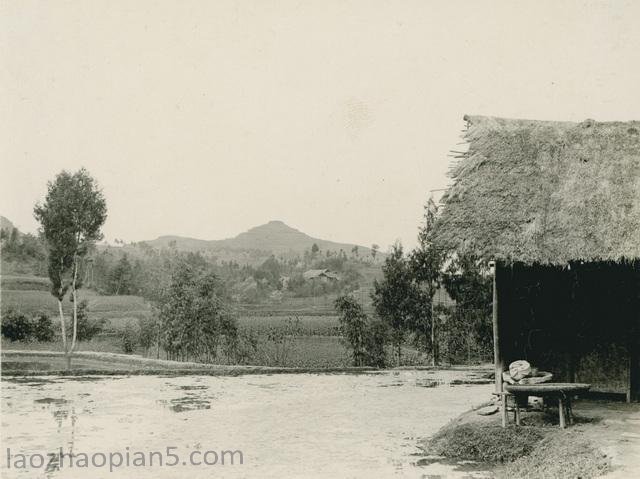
x=497, y=358
x=561, y=412
x=630, y=364
x=503, y=408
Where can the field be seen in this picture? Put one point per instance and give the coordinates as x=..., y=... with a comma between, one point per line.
x=314, y=342
x=34, y=301
x=287, y=334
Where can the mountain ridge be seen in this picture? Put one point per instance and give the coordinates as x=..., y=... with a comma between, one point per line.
x=274, y=236
x=6, y=224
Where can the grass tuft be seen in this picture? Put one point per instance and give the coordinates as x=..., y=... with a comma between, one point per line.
x=485, y=442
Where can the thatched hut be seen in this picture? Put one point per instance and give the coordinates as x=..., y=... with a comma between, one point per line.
x=556, y=206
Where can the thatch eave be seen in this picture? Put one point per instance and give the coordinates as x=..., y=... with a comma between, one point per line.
x=539, y=192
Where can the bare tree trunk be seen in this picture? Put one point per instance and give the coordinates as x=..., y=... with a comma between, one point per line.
x=64, y=335
x=434, y=352
x=75, y=305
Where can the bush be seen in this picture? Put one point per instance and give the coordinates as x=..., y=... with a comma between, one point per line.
x=42, y=328
x=129, y=339
x=87, y=329
x=16, y=326
x=147, y=332
x=241, y=346
x=280, y=342
x=375, y=340
x=364, y=337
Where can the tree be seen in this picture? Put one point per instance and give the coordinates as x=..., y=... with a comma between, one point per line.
x=366, y=338
x=270, y=272
x=43, y=328
x=315, y=249
x=194, y=314
x=397, y=298
x=88, y=328
x=468, y=328
x=374, y=250
x=353, y=324
x=71, y=217
x=426, y=265
x=121, y=278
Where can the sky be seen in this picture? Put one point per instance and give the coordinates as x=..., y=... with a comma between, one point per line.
x=203, y=119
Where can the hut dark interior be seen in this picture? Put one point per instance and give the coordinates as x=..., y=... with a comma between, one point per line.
x=579, y=321
x=556, y=206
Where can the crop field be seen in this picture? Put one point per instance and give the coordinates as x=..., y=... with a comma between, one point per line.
x=99, y=307
x=123, y=310
x=34, y=283
x=300, y=332
x=306, y=325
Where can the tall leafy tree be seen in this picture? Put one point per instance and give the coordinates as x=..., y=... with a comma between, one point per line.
x=194, y=313
x=121, y=278
x=71, y=219
x=426, y=265
x=468, y=329
x=353, y=325
x=365, y=337
x=397, y=298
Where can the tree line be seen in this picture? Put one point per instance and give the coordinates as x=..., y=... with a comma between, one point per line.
x=406, y=312
x=192, y=296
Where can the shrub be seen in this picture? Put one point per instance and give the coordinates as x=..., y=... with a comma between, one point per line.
x=376, y=338
x=241, y=345
x=364, y=337
x=147, y=332
x=281, y=342
x=42, y=328
x=129, y=339
x=16, y=326
x=87, y=328
x=353, y=323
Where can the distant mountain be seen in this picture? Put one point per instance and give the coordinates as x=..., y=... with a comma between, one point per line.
x=274, y=236
x=5, y=224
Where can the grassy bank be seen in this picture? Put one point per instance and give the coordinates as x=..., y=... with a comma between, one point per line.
x=537, y=449
x=301, y=351
x=36, y=363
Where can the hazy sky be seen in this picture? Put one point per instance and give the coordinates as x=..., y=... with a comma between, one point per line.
x=204, y=118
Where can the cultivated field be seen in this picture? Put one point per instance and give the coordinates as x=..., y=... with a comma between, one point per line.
x=286, y=334
x=313, y=339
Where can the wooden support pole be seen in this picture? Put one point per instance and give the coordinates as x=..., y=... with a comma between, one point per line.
x=497, y=357
x=503, y=409
x=629, y=370
x=561, y=411
x=569, y=411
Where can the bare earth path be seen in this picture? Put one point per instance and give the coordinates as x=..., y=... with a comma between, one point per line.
x=617, y=434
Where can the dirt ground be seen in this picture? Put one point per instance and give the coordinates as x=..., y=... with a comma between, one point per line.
x=617, y=434
x=604, y=439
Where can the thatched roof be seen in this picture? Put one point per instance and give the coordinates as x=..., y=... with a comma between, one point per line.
x=545, y=192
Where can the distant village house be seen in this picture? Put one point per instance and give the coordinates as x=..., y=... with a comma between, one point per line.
x=323, y=275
